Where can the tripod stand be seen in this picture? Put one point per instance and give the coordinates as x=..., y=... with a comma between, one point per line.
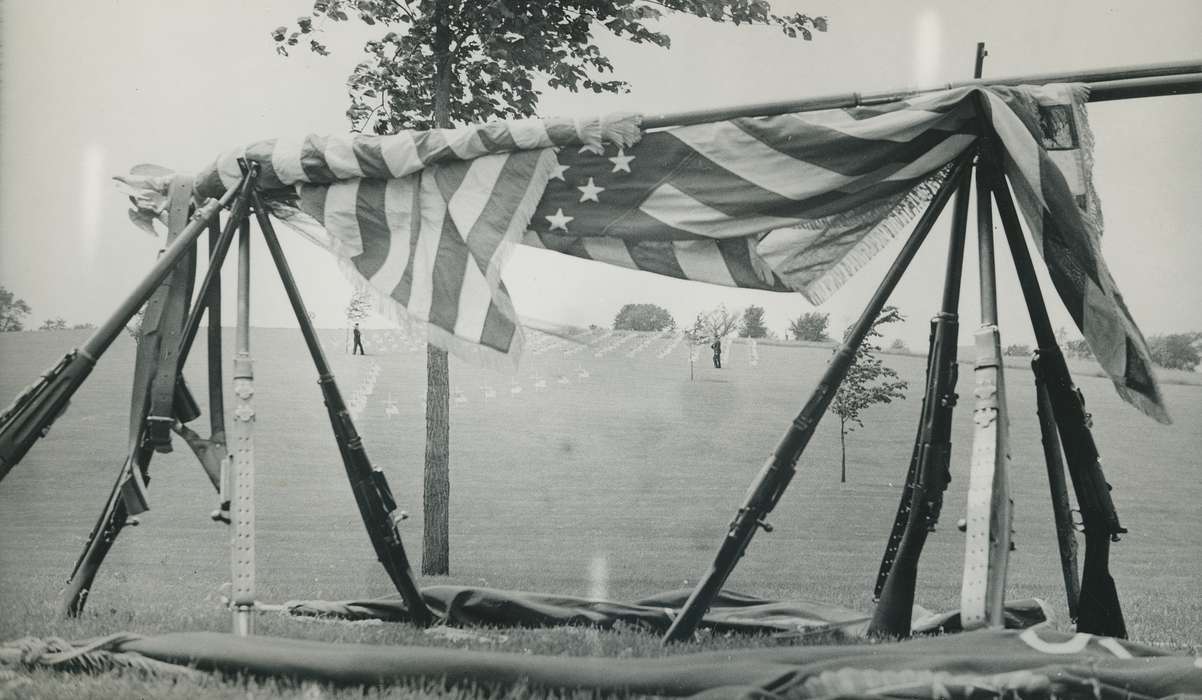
x=30, y=416
x=1064, y=425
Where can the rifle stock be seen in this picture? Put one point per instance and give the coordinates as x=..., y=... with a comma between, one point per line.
x=36, y=408
x=376, y=504
x=1098, y=607
x=922, y=499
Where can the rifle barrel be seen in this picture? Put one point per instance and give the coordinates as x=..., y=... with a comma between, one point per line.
x=1118, y=83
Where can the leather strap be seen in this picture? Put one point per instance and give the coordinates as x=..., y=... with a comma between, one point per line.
x=162, y=414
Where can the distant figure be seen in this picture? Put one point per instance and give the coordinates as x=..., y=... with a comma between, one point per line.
x=358, y=349
x=716, y=346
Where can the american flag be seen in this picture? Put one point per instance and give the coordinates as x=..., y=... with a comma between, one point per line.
x=796, y=202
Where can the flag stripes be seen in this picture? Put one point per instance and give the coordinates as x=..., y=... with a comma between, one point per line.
x=795, y=202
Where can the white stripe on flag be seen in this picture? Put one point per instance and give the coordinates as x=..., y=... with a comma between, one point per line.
x=340, y=157
x=471, y=197
x=529, y=133
x=398, y=210
x=342, y=217
x=285, y=160
x=753, y=160
x=433, y=212
x=400, y=154
x=474, y=299
x=701, y=261
x=679, y=210
x=610, y=250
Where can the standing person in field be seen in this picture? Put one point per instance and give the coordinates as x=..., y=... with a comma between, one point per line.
x=716, y=346
x=358, y=349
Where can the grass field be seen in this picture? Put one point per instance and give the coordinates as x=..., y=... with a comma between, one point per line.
x=616, y=485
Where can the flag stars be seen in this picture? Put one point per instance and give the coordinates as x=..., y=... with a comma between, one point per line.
x=560, y=169
x=621, y=161
x=559, y=220
x=589, y=191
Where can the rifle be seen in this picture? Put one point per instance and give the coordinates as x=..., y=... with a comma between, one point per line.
x=32, y=413
x=156, y=373
x=774, y=477
x=376, y=504
x=1098, y=608
x=929, y=473
x=1066, y=538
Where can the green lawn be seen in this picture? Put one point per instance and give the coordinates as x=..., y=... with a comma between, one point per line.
x=615, y=485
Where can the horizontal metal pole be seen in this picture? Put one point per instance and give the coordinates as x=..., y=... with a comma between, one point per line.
x=1180, y=77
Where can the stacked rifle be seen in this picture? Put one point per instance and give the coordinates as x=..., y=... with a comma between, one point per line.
x=162, y=404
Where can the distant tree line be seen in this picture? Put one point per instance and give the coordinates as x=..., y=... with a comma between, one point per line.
x=14, y=310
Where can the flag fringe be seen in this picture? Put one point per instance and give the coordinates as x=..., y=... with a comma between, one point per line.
x=899, y=217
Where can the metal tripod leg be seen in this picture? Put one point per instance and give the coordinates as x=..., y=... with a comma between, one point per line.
x=242, y=551
x=989, y=513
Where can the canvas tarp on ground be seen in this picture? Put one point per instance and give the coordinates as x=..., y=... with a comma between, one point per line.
x=1033, y=663
x=795, y=202
x=729, y=612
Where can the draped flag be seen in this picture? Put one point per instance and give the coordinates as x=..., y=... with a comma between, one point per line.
x=795, y=202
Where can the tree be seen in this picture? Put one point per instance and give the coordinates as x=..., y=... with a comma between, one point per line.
x=1176, y=350
x=1017, y=350
x=810, y=326
x=357, y=309
x=435, y=62
x=53, y=324
x=12, y=311
x=643, y=317
x=899, y=346
x=486, y=59
x=83, y=326
x=715, y=323
x=753, y=323
x=868, y=383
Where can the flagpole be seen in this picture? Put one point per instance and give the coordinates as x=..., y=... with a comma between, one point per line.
x=1105, y=84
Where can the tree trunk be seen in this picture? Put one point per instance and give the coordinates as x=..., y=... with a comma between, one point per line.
x=842, y=454
x=436, y=492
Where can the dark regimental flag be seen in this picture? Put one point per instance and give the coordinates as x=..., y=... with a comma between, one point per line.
x=795, y=203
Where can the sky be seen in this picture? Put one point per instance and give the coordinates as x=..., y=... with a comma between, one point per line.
x=90, y=89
